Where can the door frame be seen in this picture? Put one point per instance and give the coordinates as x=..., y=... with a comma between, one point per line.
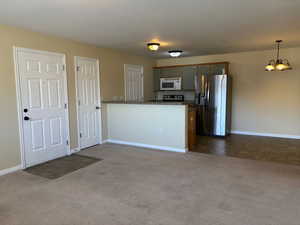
x=125, y=80
x=76, y=58
x=16, y=51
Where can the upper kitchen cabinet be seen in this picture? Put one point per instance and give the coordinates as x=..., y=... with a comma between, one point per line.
x=188, y=77
x=156, y=79
x=203, y=69
x=188, y=72
x=171, y=72
x=213, y=69
x=217, y=69
x=165, y=73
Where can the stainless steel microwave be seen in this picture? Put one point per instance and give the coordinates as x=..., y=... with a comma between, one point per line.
x=170, y=84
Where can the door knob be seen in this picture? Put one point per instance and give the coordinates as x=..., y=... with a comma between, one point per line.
x=97, y=107
x=26, y=118
x=25, y=110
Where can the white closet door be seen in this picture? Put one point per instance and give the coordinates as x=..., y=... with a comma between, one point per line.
x=43, y=103
x=134, y=83
x=88, y=97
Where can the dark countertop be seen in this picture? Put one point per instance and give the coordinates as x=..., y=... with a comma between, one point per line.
x=149, y=102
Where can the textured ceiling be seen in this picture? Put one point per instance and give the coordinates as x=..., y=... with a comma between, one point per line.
x=198, y=27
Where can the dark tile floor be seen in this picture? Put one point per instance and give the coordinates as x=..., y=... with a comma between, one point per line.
x=252, y=147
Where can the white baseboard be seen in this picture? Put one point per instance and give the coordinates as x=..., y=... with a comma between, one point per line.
x=10, y=170
x=265, y=134
x=104, y=141
x=74, y=150
x=166, y=148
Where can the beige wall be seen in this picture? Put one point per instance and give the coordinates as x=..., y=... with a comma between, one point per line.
x=263, y=102
x=111, y=72
x=157, y=126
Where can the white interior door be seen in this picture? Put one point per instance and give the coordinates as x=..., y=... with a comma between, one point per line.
x=88, y=98
x=134, y=82
x=43, y=102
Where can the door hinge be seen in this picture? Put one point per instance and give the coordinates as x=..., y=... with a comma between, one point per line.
x=66, y=105
x=78, y=102
x=78, y=68
x=63, y=67
x=67, y=142
x=80, y=135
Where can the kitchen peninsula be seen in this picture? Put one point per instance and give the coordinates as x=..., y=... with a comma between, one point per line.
x=156, y=125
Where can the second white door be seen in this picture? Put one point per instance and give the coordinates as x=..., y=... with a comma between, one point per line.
x=134, y=82
x=88, y=101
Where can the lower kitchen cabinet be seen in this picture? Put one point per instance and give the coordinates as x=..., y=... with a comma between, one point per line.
x=192, y=136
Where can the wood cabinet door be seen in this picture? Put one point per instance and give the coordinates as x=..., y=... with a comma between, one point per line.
x=188, y=77
x=192, y=137
x=156, y=79
x=217, y=69
x=203, y=69
x=171, y=72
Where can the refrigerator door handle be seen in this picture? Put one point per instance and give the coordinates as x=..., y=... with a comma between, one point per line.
x=203, y=86
x=208, y=92
x=197, y=87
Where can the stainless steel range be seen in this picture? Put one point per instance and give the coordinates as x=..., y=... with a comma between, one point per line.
x=173, y=98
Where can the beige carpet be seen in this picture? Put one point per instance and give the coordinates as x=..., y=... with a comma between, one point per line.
x=132, y=186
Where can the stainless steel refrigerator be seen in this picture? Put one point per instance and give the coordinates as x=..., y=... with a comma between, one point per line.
x=213, y=98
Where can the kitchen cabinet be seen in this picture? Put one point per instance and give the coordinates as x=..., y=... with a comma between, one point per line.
x=192, y=136
x=203, y=69
x=213, y=69
x=188, y=72
x=217, y=69
x=156, y=81
x=171, y=72
x=188, y=77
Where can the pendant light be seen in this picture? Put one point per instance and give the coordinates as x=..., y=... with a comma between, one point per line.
x=175, y=53
x=153, y=46
x=278, y=64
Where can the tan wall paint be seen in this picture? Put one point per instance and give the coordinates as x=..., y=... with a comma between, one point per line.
x=111, y=76
x=263, y=102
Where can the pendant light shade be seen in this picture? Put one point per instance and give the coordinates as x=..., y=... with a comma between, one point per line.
x=270, y=66
x=279, y=64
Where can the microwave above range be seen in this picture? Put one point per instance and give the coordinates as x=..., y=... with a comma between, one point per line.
x=170, y=84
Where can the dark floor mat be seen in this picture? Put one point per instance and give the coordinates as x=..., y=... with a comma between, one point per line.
x=62, y=166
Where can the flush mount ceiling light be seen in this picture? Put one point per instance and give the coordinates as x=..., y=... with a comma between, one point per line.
x=278, y=64
x=175, y=53
x=153, y=46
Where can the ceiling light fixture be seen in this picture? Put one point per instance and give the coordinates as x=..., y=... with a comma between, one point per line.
x=175, y=53
x=153, y=46
x=278, y=64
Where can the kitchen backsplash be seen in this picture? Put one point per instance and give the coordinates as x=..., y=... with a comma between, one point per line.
x=188, y=95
